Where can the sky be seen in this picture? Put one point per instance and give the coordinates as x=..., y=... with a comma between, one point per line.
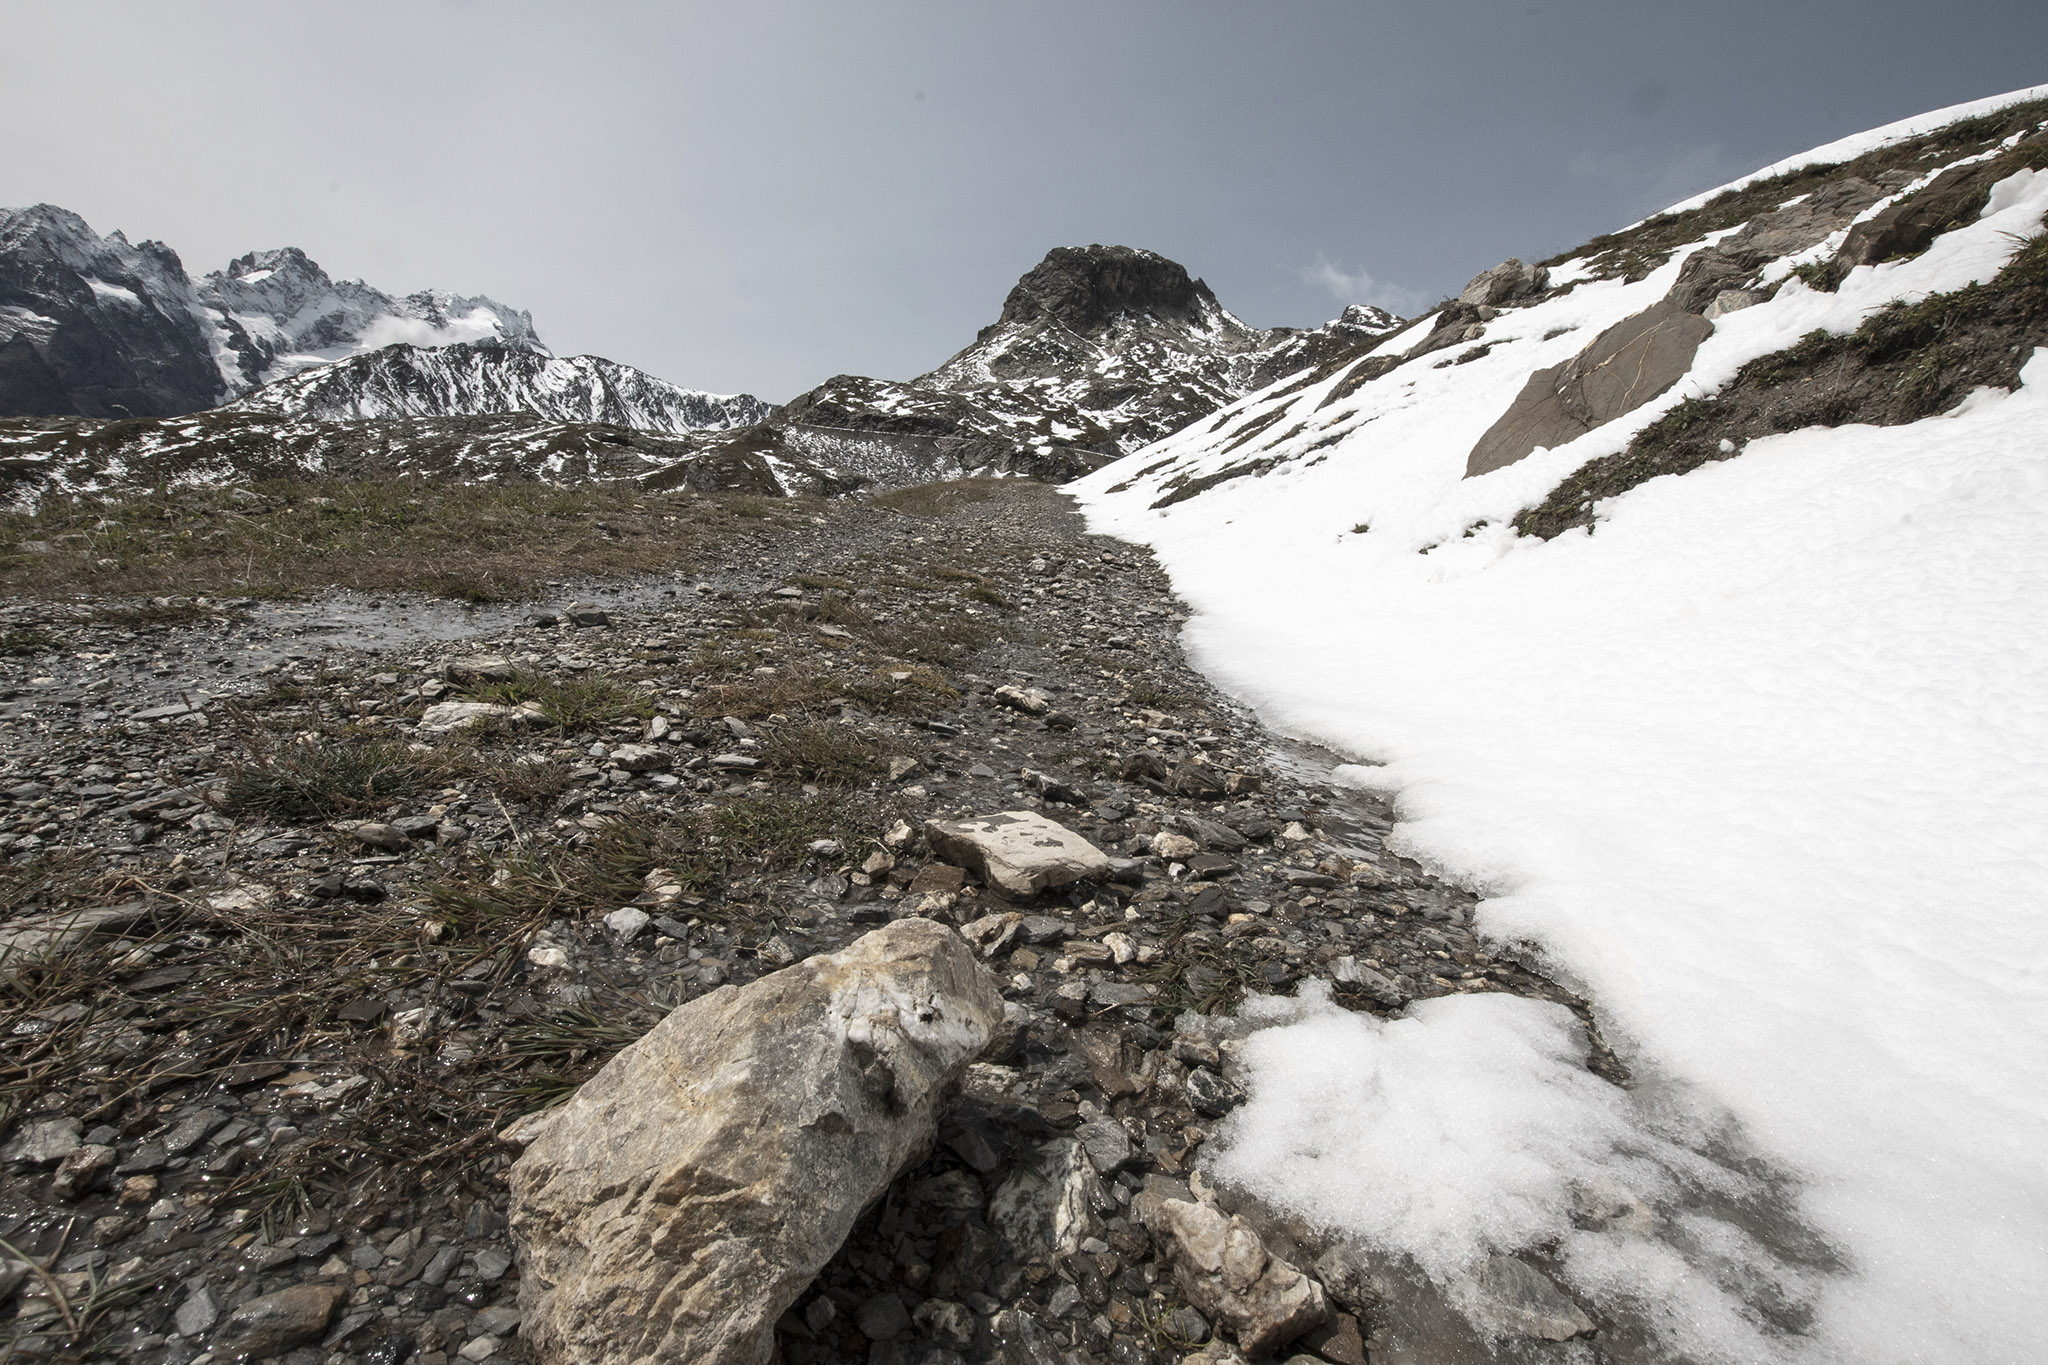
x=754, y=197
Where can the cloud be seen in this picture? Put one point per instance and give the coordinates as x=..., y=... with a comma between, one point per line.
x=1361, y=286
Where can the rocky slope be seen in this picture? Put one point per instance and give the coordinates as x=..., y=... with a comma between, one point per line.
x=481, y=377
x=1530, y=359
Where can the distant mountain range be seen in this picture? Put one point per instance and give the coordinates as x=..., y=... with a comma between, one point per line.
x=1098, y=350
x=97, y=327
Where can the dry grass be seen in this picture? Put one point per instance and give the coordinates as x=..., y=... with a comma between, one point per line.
x=476, y=542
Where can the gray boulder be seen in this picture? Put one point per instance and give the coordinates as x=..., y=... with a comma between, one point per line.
x=1506, y=282
x=692, y=1188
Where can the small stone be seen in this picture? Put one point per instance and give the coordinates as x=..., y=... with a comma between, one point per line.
x=491, y=1264
x=628, y=922
x=640, y=758
x=1175, y=848
x=1031, y=701
x=949, y=1324
x=78, y=1172
x=1520, y=1298
x=444, y=716
x=275, y=1323
x=192, y=1130
x=479, y=1348
x=1019, y=852
x=587, y=614
x=1210, y=1095
x=1106, y=1143
x=47, y=1141
x=375, y=834
x=901, y=767
x=197, y=1313
x=480, y=668
x=136, y=1189
x=882, y=1318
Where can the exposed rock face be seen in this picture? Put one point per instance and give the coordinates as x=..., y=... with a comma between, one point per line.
x=1019, y=851
x=1506, y=282
x=691, y=1189
x=93, y=326
x=1625, y=366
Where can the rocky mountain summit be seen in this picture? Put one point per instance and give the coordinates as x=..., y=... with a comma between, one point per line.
x=1098, y=350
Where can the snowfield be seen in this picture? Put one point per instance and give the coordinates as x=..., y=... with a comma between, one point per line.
x=1761, y=766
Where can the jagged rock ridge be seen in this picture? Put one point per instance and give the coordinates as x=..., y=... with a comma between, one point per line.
x=496, y=377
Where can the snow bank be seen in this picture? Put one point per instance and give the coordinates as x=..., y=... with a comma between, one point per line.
x=1762, y=765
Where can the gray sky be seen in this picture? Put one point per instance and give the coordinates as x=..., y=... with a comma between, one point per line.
x=759, y=194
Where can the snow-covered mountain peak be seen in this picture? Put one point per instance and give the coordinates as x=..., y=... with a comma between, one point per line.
x=281, y=313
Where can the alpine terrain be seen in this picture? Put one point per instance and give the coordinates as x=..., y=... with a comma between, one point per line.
x=1507, y=837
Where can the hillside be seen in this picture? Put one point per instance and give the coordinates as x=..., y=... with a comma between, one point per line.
x=1684, y=591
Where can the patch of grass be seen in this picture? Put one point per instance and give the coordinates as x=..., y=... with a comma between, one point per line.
x=25, y=641
x=939, y=636
x=792, y=688
x=474, y=543
x=162, y=613
x=1826, y=276
x=318, y=776
x=937, y=499
x=532, y=782
x=836, y=754
x=574, y=704
x=918, y=691
x=1148, y=693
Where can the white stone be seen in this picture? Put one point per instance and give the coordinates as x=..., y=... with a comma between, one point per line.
x=1019, y=852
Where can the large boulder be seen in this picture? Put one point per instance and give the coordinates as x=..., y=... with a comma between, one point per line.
x=691, y=1190
x=1019, y=852
x=1620, y=370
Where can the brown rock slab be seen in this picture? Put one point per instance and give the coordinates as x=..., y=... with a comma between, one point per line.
x=275, y=1323
x=1623, y=368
